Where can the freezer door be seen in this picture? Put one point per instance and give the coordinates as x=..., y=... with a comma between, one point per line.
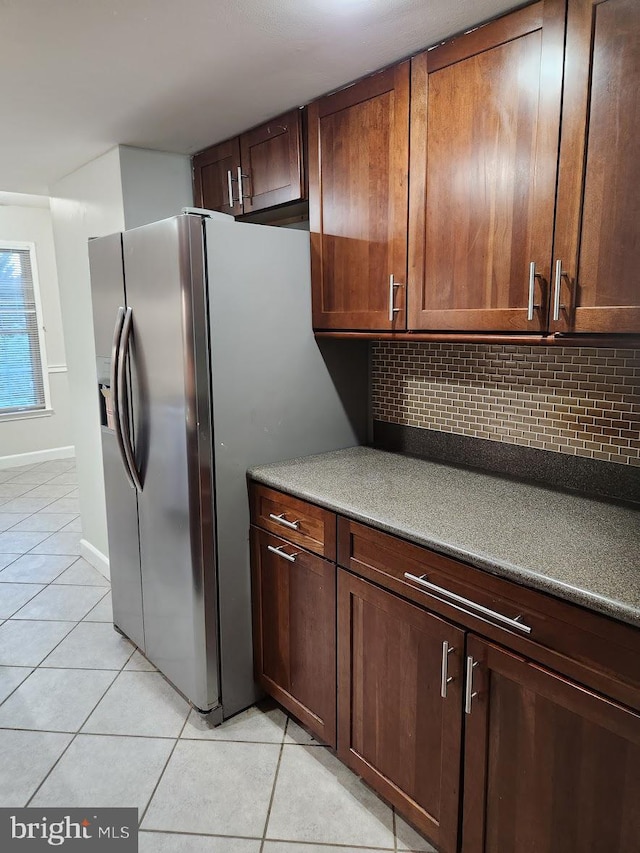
x=108, y=295
x=173, y=452
x=124, y=550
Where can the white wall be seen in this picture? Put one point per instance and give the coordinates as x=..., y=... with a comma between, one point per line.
x=87, y=203
x=123, y=188
x=46, y=434
x=155, y=185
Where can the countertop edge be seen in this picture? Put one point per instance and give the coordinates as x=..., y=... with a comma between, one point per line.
x=611, y=608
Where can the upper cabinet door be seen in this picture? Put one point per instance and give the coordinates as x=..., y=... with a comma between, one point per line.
x=272, y=163
x=215, y=178
x=358, y=197
x=597, y=240
x=485, y=113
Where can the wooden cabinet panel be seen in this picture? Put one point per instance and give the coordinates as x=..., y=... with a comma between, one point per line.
x=358, y=164
x=299, y=521
x=549, y=766
x=586, y=646
x=485, y=114
x=262, y=168
x=215, y=174
x=394, y=727
x=597, y=236
x=294, y=601
x=272, y=162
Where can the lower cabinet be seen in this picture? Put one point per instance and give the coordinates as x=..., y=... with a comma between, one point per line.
x=440, y=681
x=294, y=630
x=400, y=704
x=549, y=767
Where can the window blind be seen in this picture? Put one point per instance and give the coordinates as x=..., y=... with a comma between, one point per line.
x=21, y=374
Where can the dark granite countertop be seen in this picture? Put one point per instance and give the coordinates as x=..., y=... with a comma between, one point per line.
x=582, y=549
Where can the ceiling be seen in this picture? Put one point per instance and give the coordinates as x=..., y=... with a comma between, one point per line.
x=80, y=76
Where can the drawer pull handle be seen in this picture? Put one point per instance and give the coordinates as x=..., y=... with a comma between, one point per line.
x=469, y=695
x=445, y=678
x=491, y=614
x=292, y=525
x=281, y=553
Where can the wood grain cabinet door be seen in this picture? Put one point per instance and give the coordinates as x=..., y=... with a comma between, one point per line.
x=272, y=163
x=358, y=185
x=294, y=630
x=597, y=240
x=485, y=117
x=395, y=728
x=215, y=178
x=550, y=767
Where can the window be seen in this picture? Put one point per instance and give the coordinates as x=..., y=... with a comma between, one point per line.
x=23, y=387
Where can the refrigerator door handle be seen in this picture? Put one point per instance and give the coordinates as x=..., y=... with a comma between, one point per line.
x=127, y=447
x=117, y=428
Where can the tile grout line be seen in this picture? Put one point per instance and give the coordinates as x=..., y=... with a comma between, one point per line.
x=75, y=734
x=31, y=515
x=273, y=787
x=25, y=494
x=328, y=845
x=162, y=772
x=38, y=665
x=52, y=582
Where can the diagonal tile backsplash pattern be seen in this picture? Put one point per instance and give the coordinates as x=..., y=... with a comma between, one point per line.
x=578, y=400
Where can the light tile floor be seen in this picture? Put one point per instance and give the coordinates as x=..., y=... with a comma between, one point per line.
x=86, y=720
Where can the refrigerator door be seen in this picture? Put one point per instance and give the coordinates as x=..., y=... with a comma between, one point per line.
x=173, y=452
x=108, y=295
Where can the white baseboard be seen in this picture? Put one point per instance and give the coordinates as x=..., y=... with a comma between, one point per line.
x=95, y=557
x=37, y=456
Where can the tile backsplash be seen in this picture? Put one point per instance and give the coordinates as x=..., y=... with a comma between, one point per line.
x=577, y=400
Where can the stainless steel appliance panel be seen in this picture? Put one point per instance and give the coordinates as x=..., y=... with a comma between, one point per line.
x=276, y=395
x=108, y=296
x=166, y=292
x=124, y=549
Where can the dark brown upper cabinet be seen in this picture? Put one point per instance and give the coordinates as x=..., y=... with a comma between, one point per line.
x=485, y=118
x=597, y=238
x=262, y=168
x=358, y=201
x=215, y=177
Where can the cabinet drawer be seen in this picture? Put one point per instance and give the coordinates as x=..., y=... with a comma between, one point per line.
x=300, y=522
x=593, y=649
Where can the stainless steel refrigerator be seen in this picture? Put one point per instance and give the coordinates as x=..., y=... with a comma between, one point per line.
x=206, y=365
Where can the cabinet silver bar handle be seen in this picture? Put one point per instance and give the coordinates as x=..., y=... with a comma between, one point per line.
x=556, y=293
x=392, y=284
x=230, y=187
x=469, y=695
x=241, y=195
x=492, y=614
x=281, y=553
x=533, y=275
x=444, y=672
x=280, y=519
